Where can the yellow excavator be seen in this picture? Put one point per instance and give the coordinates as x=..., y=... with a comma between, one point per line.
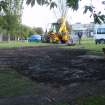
x=58, y=32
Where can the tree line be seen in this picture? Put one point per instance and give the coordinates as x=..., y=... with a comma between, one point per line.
x=10, y=20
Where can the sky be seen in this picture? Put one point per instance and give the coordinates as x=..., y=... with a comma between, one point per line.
x=42, y=16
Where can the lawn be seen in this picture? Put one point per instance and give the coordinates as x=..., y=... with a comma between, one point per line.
x=89, y=100
x=93, y=48
x=92, y=100
x=86, y=43
x=89, y=44
x=14, y=84
x=14, y=44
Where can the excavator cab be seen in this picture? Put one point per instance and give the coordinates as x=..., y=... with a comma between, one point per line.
x=55, y=27
x=53, y=34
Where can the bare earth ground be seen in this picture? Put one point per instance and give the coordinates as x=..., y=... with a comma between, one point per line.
x=62, y=75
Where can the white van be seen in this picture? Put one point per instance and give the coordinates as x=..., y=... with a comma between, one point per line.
x=99, y=33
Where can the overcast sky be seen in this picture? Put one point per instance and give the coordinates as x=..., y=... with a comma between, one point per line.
x=38, y=16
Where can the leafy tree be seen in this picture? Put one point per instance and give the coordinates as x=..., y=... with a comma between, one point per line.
x=3, y=6
x=98, y=16
x=74, y=4
x=12, y=17
x=39, y=30
x=1, y=21
x=71, y=3
x=9, y=23
x=34, y=30
x=24, y=31
x=27, y=31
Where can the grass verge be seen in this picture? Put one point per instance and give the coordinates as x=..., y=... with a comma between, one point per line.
x=14, y=84
x=91, y=100
x=14, y=44
x=89, y=44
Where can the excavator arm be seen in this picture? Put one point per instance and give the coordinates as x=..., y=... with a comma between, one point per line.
x=63, y=30
x=63, y=27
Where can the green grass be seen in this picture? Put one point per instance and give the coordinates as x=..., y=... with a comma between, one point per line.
x=89, y=44
x=92, y=47
x=92, y=100
x=86, y=43
x=13, y=44
x=14, y=84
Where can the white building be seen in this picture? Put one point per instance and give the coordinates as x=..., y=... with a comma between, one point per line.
x=86, y=29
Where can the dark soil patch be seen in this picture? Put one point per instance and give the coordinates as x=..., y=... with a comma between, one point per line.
x=64, y=74
x=59, y=66
x=54, y=65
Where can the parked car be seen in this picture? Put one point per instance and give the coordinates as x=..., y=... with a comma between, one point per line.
x=99, y=34
x=34, y=38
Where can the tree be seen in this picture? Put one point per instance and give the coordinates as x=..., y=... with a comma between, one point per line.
x=3, y=10
x=39, y=30
x=97, y=15
x=71, y=3
x=3, y=6
x=27, y=31
x=12, y=17
x=40, y=2
x=24, y=31
x=74, y=4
